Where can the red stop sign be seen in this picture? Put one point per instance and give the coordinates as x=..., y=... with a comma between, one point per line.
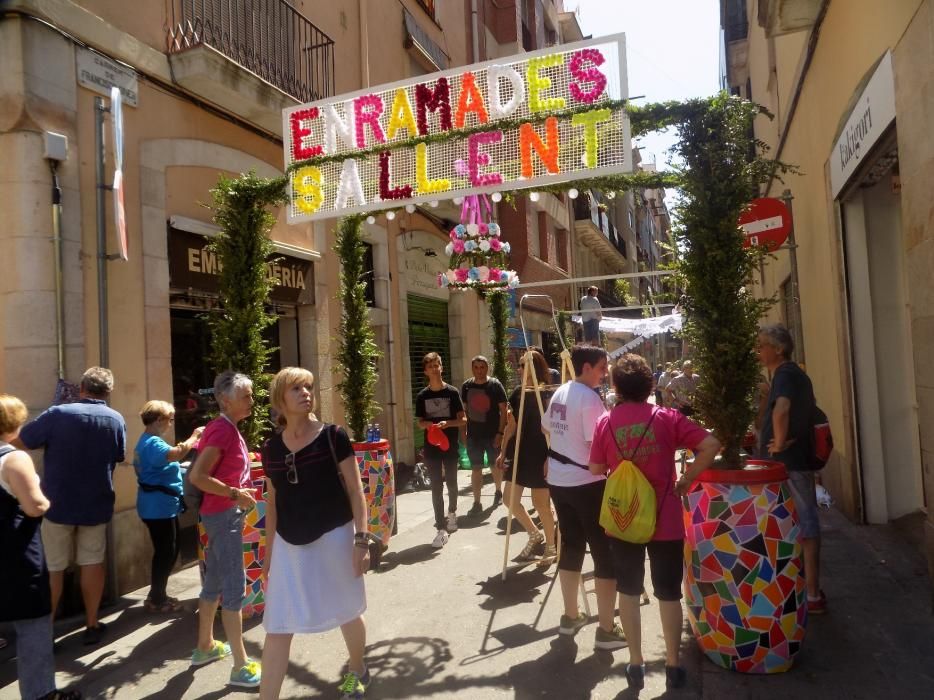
x=766, y=222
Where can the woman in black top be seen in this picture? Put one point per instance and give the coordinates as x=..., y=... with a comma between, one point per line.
x=25, y=598
x=532, y=462
x=316, y=542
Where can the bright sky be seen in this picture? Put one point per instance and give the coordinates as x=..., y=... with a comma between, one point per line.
x=672, y=51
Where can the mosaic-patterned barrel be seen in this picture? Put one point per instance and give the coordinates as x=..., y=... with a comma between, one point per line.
x=379, y=486
x=744, y=580
x=254, y=546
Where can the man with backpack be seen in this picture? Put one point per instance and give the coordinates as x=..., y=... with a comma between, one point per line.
x=787, y=436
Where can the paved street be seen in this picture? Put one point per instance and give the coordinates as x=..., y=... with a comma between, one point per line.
x=443, y=625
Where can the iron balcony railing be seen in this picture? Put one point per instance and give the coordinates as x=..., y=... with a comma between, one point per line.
x=268, y=37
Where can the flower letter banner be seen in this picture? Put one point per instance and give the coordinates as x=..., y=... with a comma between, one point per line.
x=537, y=119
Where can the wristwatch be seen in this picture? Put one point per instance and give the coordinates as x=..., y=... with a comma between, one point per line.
x=234, y=494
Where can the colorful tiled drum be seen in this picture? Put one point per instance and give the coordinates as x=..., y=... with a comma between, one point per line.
x=254, y=545
x=379, y=486
x=744, y=580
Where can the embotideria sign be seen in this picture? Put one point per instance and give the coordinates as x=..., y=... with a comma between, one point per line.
x=542, y=118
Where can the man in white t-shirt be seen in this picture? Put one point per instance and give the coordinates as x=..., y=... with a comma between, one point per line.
x=591, y=315
x=577, y=494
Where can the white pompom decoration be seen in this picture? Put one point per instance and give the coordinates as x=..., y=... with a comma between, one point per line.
x=349, y=186
x=371, y=220
x=572, y=193
x=390, y=215
x=534, y=196
x=410, y=208
x=496, y=197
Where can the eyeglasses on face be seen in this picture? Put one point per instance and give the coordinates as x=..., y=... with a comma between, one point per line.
x=292, y=474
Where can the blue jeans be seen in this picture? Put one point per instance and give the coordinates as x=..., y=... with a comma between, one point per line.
x=35, y=666
x=223, y=559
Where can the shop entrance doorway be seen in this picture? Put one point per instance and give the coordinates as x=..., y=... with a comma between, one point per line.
x=883, y=366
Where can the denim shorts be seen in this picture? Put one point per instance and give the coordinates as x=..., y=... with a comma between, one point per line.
x=223, y=559
x=804, y=493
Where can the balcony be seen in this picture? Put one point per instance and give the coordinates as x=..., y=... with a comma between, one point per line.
x=782, y=17
x=595, y=230
x=286, y=58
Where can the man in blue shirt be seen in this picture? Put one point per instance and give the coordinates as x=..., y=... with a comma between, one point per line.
x=84, y=442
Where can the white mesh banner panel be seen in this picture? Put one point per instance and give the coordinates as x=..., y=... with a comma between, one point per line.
x=538, y=119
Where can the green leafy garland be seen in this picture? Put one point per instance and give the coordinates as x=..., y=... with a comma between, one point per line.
x=499, y=315
x=358, y=353
x=243, y=247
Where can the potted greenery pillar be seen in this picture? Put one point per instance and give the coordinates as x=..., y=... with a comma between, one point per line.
x=243, y=247
x=357, y=356
x=744, y=584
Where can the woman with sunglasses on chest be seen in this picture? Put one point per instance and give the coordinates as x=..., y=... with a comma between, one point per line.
x=316, y=543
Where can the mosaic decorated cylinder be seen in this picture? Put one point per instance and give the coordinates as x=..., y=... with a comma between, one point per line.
x=374, y=460
x=254, y=546
x=744, y=580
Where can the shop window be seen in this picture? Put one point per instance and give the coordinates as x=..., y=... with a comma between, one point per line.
x=192, y=375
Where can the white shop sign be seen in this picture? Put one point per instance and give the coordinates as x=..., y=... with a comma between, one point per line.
x=874, y=111
x=99, y=73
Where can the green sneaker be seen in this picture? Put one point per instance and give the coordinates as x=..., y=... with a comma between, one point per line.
x=218, y=651
x=570, y=625
x=353, y=687
x=247, y=676
x=608, y=641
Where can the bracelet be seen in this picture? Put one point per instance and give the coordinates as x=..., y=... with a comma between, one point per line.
x=361, y=545
x=361, y=536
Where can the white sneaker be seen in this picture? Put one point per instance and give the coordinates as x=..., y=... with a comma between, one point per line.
x=452, y=522
x=440, y=539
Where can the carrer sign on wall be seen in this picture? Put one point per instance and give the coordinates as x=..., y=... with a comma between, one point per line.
x=540, y=118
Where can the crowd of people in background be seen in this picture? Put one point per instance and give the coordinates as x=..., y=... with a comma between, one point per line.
x=317, y=551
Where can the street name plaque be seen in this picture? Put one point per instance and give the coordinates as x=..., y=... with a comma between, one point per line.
x=527, y=121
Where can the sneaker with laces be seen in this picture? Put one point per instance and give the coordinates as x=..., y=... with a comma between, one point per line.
x=635, y=676
x=528, y=552
x=475, y=509
x=452, y=522
x=353, y=686
x=440, y=539
x=571, y=625
x=608, y=641
x=218, y=651
x=675, y=677
x=247, y=676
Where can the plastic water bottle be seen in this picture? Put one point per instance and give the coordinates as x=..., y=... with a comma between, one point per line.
x=376, y=434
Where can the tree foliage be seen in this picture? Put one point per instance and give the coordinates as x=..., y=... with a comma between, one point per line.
x=243, y=247
x=499, y=316
x=357, y=353
x=721, y=173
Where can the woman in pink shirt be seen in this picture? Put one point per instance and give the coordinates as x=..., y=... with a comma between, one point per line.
x=222, y=472
x=649, y=436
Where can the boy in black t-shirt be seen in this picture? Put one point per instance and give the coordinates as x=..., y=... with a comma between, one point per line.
x=439, y=404
x=485, y=401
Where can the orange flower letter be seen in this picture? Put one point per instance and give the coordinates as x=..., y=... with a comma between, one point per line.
x=547, y=150
x=470, y=100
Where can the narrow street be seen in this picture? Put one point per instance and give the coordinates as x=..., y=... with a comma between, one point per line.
x=443, y=625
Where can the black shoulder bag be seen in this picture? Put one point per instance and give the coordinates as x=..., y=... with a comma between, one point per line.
x=374, y=545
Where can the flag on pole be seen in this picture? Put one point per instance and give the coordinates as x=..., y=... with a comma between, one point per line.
x=116, y=112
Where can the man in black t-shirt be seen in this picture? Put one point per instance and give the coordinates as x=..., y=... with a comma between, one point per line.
x=485, y=400
x=438, y=407
x=786, y=436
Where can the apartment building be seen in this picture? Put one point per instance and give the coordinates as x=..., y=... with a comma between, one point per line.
x=850, y=85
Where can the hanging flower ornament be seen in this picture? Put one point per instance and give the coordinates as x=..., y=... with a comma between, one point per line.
x=479, y=258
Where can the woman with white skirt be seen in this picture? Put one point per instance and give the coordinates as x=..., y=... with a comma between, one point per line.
x=316, y=542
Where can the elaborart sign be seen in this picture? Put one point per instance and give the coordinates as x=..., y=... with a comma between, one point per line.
x=537, y=119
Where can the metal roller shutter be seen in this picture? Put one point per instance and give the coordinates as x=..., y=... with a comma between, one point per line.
x=428, y=332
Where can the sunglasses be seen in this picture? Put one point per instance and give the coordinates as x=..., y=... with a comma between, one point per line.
x=292, y=474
